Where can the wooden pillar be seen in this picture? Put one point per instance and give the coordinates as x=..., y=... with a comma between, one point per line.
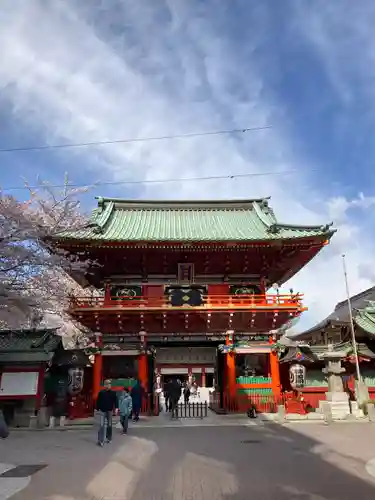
x=40, y=393
x=203, y=377
x=97, y=370
x=107, y=294
x=143, y=363
x=275, y=371
x=142, y=370
x=230, y=367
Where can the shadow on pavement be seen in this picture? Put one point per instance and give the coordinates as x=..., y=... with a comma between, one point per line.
x=268, y=462
x=264, y=462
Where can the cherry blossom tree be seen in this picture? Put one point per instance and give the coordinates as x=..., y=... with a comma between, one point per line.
x=35, y=276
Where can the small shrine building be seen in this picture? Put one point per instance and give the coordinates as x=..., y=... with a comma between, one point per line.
x=309, y=347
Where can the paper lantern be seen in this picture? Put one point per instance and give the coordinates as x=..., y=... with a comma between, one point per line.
x=75, y=383
x=297, y=376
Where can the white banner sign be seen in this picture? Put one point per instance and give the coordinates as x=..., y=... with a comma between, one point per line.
x=19, y=384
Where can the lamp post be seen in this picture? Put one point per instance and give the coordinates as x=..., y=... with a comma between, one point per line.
x=359, y=378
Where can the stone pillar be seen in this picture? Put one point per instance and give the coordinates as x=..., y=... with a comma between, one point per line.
x=336, y=397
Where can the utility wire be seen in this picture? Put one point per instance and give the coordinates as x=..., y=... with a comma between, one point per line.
x=127, y=141
x=158, y=181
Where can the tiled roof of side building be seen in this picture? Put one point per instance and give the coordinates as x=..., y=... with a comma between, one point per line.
x=316, y=353
x=156, y=220
x=341, y=313
x=28, y=346
x=28, y=340
x=365, y=318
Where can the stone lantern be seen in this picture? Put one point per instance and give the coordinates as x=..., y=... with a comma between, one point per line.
x=337, y=400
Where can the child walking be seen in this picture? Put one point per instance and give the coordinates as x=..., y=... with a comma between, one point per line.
x=125, y=409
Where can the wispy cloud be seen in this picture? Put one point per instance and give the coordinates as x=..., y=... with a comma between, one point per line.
x=343, y=36
x=110, y=70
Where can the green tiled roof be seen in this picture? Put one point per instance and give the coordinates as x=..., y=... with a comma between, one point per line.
x=316, y=353
x=199, y=221
x=340, y=316
x=365, y=318
x=27, y=345
x=25, y=357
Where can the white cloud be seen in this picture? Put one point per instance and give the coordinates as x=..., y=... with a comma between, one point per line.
x=84, y=73
x=342, y=34
x=339, y=207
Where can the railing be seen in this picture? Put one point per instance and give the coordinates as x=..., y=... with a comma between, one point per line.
x=80, y=406
x=210, y=302
x=242, y=403
x=265, y=403
x=192, y=410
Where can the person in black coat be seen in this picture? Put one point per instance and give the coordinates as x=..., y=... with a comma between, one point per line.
x=4, y=432
x=174, y=396
x=137, y=393
x=106, y=404
x=186, y=393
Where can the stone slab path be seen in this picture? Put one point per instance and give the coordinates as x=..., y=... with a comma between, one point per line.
x=269, y=462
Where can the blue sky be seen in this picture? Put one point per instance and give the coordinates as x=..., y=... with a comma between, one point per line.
x=98, y=70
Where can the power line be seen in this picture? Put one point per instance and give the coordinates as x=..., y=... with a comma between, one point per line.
x=159, y=181
x=137, y=139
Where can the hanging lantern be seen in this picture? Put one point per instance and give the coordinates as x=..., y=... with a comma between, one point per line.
x=75, y=383
x=297, y=376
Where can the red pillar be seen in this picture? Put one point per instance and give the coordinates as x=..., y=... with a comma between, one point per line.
x=143, y=370
x=275, y=371
x=107, y=294
x=262, y=285
x=230, y=368
x=97, y=370
x=143, y=363
x=203, y=377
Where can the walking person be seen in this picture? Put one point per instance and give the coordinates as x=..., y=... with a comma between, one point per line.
x=174, y=396
x=4, y=432
x=125, y=408
x=137, y=394
x=166, y=396
x=186, y=393
x=106, y=404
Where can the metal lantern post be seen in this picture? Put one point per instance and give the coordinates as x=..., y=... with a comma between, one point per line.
x=359, y=378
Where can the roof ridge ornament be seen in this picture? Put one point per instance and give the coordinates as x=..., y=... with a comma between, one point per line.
x=100, y=203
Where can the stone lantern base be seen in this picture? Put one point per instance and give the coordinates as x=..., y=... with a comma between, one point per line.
x=337, y=403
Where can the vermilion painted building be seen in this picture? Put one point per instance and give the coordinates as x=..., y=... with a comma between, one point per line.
x=181, y=278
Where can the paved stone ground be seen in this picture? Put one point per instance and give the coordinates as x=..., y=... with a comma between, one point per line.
x=165, y=420
x=261, y=462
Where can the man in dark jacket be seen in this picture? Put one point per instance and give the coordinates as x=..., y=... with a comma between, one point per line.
x=137, y=393
x=174, y=396
x=106, y=404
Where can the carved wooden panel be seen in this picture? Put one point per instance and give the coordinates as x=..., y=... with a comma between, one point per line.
x=126, y=292
x=186, y=295
x=186, y=355
x=245, y=290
